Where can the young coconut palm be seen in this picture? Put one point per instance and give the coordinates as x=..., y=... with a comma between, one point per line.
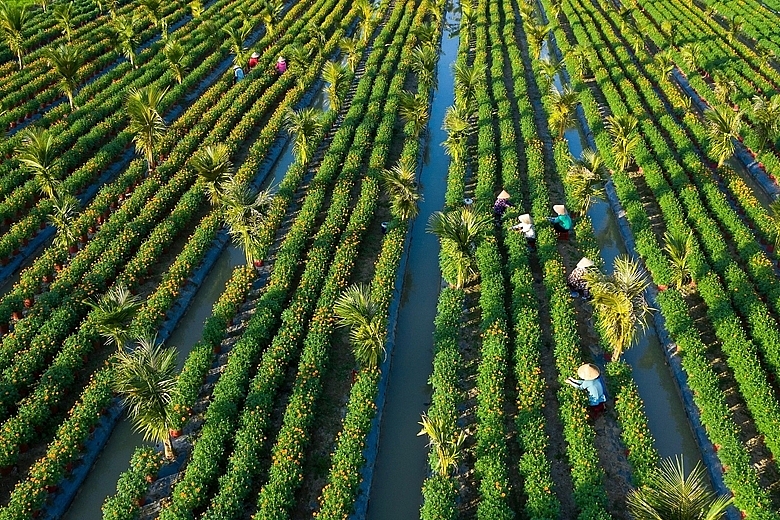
x=401, y=183
x=125, y=36
x=585, y=178
x=336, y=76
x=369, y=19
x=113, y=313
x=723, y=127
x=146, y=378
x=64, y=211
x=723, y=89
x=145, y=120
x=536, y=33
x=446, y=445
x=152, y=9
x=413, y=108
x=579, y=55
x=357, y=310
x=212, y=163
x=299, y=57
x=665, y=65
x=457, y=124
x=37, y=154
x=625, y=138
x=467, y=78
x=549, y=66
x=619, y=302
x=303, y=125
x=424, y=64
x=563, y=110
x=66, y=60
x=270, y=13
x=63, y=13
x=243, y=213
x=13, y=17
x=174, y=53
x=459, y=232
x=691, y=54
x=196, y=6
x=236, y=38
x=678, y=246
x=734, y=28
x=766, y=114
x=426, y=34
x=669, y=495
x=466, y=16
x=350, y=46
x=669, y=30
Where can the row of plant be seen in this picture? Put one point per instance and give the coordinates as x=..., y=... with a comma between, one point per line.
x=740, y=477
x=223, y=414
x=212, y=221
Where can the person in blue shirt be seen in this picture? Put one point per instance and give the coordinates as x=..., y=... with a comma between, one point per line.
x=238, y=73
x=591, y=382
x=562, y=222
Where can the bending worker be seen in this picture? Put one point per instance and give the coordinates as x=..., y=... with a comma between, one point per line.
x=590, y=381
x=562, y=222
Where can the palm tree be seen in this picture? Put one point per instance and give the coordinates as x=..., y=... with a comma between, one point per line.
x=146, y=377
x=13, y=16
x=669, y=30
x=145, y=120
x=619, y=302
x=536, y=33
x=152, y=8
x=678, y=245
x=212, y=163
x=66, y=61
x=723, y=126
x=466, y=16
x=63, y=13
x=367, y=15
x=584, y=179
x=550, y=66
x=637, y=42
x=467, y=78
x=299, y=57
x=174, y=53
x=622, y=128
x=243, y=213
x=734, y=28
x=303, y=125
x=125, y=35
x=236, y=38
x=691, y=55
x=724, y=88
x=579, y=54
x=459, y=232
x=457, y=124
x=774, y=213
x=336, y=76
x=316, y=34
x=665, y=65
x=357, y=310
x=43, y=3
x=424, y=64
x=350, y=46
x=669, y=495
x=401, y=183
x=563, y=108
x=426, y=33
x=766, y=117
x=196, y=6
x=113, y=314
x=413, y=108
x=65, y=210
x=37, y=154
x=270, y=11
x=446, y=445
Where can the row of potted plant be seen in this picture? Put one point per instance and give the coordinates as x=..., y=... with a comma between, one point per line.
x=234, y=383
x=132, y=484
x=740, y=478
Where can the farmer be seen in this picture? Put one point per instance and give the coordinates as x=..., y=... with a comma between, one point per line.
x=526, y=226
x=238, y=73
x=501, y=204
x=590, y=380
x=253, y=61
x=281, y=65
x=575, y=280
x=562, y=221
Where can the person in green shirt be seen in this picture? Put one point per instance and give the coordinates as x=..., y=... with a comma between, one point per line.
x=562, y=222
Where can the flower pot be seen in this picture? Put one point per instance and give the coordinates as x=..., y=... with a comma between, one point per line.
x=25, y=241
x=258, y=263
x=175, y=433
x=47, y=278
x=52, y=489
x=4, y=328
x=17, y=315
x=150, y=478
x=4, y=261
x=28, y=303
x=73, y=249
x=58, y=267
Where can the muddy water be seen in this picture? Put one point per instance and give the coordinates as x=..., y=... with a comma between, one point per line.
x=667, y=420
x=401, y=464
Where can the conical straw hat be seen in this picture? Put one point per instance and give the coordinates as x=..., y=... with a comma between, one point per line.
x=588, y=372
x=560, y=209
x=585, y=263
x=525, y=219
x=504, y=195
x=254, y=55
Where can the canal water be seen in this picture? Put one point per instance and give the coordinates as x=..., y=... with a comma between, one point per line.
x=402, y=460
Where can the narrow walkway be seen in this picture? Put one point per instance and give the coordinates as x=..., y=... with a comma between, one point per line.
x=402, y=459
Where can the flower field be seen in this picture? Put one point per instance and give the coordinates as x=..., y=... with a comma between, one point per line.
x=679, y=101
